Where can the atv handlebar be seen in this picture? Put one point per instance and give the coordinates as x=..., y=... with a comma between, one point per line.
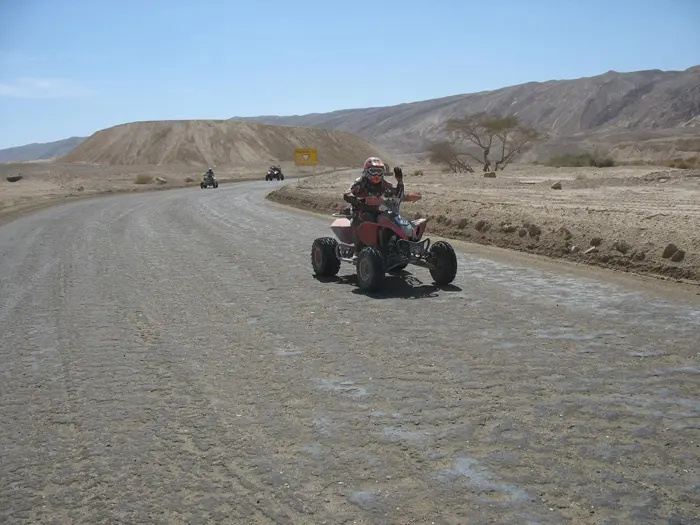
x=378, y=201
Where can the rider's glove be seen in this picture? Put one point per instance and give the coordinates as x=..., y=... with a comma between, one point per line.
x=398, y=173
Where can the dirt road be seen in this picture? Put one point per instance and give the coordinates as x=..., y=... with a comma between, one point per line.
x=168, y=358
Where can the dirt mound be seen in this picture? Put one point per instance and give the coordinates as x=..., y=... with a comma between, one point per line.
x=216, y=143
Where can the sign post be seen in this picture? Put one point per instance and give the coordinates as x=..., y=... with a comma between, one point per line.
x=305, y=157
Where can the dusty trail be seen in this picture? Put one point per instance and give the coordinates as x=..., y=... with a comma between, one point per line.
x=169, y=358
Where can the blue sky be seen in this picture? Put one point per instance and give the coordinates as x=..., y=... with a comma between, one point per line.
x=72, y=67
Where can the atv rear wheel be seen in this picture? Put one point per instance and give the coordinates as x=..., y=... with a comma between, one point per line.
x=445, y=261
x=324, y=258
x=370, y=269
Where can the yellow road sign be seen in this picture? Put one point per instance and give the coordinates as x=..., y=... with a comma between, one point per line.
x=305, y=157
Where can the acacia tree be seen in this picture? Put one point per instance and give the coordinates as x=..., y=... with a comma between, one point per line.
x=485, y=131
x=514, y=138
x=444, y=153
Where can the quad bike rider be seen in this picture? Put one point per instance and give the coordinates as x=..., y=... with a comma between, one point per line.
x=374, y=237
x=370, y=184
x=274, y=172
x=209, y=179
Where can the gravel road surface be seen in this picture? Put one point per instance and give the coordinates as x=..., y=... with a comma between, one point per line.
x=169, y=358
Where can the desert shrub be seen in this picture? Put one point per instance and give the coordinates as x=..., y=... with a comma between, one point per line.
x=603, y=162
x=189, y=179
x=418, y=173
x=143, y=178
x=685, y=164
x=580, y=160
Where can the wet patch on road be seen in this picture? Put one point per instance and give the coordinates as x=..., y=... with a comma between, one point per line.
x=571, y=334
x=323, y=425
x=369, y=500
x=470, y=472
x=677, y=370
x=343, y=387
x=314, y=450
x=648, y=353
x=395, y=434
x=289, y=353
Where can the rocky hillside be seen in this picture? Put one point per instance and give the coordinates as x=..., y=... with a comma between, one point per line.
x=641, y=100
x=216, y=143
x=40, y=151
x=638, y=113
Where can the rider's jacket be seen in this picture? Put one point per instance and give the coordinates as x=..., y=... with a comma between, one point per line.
x=362, y=188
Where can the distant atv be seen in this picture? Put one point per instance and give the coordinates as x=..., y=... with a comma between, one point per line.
x=275, y=172
x=388, y=245
x=209, y=180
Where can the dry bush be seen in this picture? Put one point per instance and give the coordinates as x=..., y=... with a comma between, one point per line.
x=685, y=164
x=143, y=178
x=445, y=154
x=189, y=179
x=580, y=160
x=418, y=173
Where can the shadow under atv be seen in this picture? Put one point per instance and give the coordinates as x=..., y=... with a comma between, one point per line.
x=403, y=285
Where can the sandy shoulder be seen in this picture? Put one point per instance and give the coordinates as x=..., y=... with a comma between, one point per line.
x=46, y=183
x=623, y=218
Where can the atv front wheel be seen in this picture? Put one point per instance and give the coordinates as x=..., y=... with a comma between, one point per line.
x=281, y=177
x=216, y=184
x=324, y=258
x=445, y=261
x=370, y=269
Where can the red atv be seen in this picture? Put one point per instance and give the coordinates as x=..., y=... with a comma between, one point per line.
x=388, y=245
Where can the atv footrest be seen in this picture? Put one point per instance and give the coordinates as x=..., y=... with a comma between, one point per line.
x=413, y=250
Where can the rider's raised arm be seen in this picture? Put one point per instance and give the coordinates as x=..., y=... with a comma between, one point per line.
x=398, y=173
x=394, y=191
x=399, y=188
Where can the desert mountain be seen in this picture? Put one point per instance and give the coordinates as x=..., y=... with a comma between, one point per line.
x=216, y=143
x=39, y=151
x=604, y=104
x=635, y=114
